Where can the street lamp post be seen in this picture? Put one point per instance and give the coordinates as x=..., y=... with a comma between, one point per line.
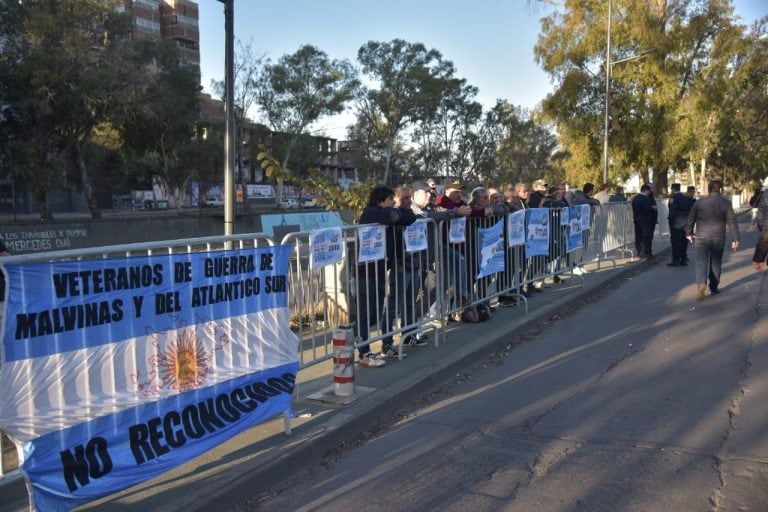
x=229, y=134
x=607, y=94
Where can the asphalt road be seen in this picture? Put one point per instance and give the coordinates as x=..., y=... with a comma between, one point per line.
x=641, y=399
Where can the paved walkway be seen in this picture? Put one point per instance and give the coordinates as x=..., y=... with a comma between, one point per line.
x=256, y=459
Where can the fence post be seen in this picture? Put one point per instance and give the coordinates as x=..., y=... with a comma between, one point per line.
x=343, y=363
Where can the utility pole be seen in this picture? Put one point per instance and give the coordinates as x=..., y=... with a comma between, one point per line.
x=607, y=93
x=229, y=134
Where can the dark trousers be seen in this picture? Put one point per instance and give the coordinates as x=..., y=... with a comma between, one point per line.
x=679, y=244
x=644, y=238
x=709, y=261
x=370, y=305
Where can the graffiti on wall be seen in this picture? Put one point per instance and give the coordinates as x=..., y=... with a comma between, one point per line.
x=36, y=240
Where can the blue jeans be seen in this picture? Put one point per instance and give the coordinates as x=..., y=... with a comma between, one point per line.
x=709, y=259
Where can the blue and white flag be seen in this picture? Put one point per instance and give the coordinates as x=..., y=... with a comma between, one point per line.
x=574, y=239
x=115, y=371
x=491, y=249
x=457, y=230
x=372, y=243
x=415, y=236
x=516, y=228
x=537, y=232
x=326, y=247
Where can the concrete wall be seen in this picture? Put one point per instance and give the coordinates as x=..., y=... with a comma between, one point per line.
x=29, y=236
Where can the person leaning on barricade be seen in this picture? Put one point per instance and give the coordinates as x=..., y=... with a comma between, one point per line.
x=538, y=195
x=480, y=199
x=455, y=258
x=584, y=196
x=405, y=276
x=370, y=281
x=537, y=198
x=557, y=250
x=423, y=206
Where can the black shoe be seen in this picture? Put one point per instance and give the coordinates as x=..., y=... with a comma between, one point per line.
x=714, y=291
x=674, y=264
x=556, y=279
x=526, y=294
x=684, y=263
x=413, y=341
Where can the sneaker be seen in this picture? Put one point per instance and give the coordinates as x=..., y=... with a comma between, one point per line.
x=580, y=271
x=508, y=303
x=371, y=361
x=701, y=292
x=392, y=352
x=414, y=341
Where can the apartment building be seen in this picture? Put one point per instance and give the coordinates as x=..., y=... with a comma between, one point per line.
x=175, y=20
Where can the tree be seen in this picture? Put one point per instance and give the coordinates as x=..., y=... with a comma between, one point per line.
x=649, y=96
x=300, y=89
x=410, y=80
x=159, y=117
x=524, y=146
x=59, y=84
x=248, y=67
x=742, y=135
x=447, y=128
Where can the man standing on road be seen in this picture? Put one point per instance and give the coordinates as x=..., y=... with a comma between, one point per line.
x=644, y=214
x=706, y=223
x=679, y=207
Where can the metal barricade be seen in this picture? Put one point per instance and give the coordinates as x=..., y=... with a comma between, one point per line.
x=396, y=295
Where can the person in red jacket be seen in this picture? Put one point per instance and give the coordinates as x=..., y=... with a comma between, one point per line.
x=452, y=199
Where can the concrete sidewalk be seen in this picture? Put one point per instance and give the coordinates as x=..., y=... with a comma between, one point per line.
x=257, y=459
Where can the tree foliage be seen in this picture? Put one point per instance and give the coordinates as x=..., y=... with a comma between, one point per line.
x=300, y=89
x=665, y=105
x=61, y=67
x=410, y=81
x=158, y=115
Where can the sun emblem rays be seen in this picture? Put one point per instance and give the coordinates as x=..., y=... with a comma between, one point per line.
x=184, y=363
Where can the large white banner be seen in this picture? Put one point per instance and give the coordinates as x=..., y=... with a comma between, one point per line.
x=115, y=371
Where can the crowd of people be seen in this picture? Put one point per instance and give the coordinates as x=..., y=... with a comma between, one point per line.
x=386, y=290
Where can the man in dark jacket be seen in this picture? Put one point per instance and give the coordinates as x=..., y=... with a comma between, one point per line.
x=539, y=194
x=706, y=223
x=371, y=277
x=679, y=206
x=644, y=213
